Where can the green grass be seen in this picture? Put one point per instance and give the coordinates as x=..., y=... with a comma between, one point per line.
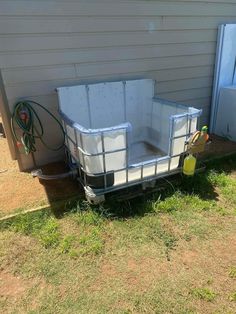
x=232, y=296
x=232, y=272
x=205, y=294
x=154, y=254
x=66, y=244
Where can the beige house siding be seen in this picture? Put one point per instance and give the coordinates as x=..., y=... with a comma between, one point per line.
x=45, y=44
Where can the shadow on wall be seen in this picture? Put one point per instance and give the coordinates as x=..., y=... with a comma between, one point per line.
x=2, y=133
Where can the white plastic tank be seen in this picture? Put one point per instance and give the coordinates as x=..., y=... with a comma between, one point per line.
x=118, y=132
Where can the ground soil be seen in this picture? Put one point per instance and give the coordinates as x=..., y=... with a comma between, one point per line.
x=198, y=264
x=10, y=285
x=19, y=190
x=218, y=147
x=142, y=273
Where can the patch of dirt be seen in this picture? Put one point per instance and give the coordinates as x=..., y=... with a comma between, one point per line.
x=194, y=262
x=144, y=272
x=134, y=274
x=14, y=288
x=233, y=174
x=109, y=270
x=218, y=147
x=16, y=250
x=19, y=190
x=188, y=258
x=11, y=286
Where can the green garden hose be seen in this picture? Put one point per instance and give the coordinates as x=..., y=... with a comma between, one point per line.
x=26, y=118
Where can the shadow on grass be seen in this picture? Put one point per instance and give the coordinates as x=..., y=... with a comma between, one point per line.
x=199, y=185
x=225, y=164
x=140, y=202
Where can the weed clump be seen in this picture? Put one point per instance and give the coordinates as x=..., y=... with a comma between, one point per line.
x=218, y=179
x=205, y=294
x=66, y=244
x=232, y=272
x=232, y=297
x=88, y=218
x=180, y=202
x=49, y=234
x=27, y=224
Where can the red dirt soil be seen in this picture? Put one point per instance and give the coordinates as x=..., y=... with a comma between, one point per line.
x=19, y=190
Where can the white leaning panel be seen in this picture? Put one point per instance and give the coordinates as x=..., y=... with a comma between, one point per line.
x=106, y=101
x=138, y=105
x=226, y=114
x=73, y=102
x=225, y=66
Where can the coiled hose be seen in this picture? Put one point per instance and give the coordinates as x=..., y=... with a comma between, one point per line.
x=27, y=119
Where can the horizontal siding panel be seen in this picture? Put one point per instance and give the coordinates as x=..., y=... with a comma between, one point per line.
x=200, y=22
x=49, y=25
x=120, y=67
x=166, y=75
x=49, y=101
x=205, y=112
x=18, y=76
x=105, y=2
x=189, y=94
x=14, y=43
x=201, y=103
x=47, y=87
x=176, y=85
x=202, y=1
x=33, y=74
x=203, y=121
x=36, y=88
x=184, y=73
x=137, y=8
x=106, y=54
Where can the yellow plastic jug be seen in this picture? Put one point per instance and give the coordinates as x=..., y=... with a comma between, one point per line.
x=189, y=165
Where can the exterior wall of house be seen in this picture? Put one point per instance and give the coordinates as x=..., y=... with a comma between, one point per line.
x=45, y=44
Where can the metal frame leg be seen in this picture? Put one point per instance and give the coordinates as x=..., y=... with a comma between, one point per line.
x=92, y=198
